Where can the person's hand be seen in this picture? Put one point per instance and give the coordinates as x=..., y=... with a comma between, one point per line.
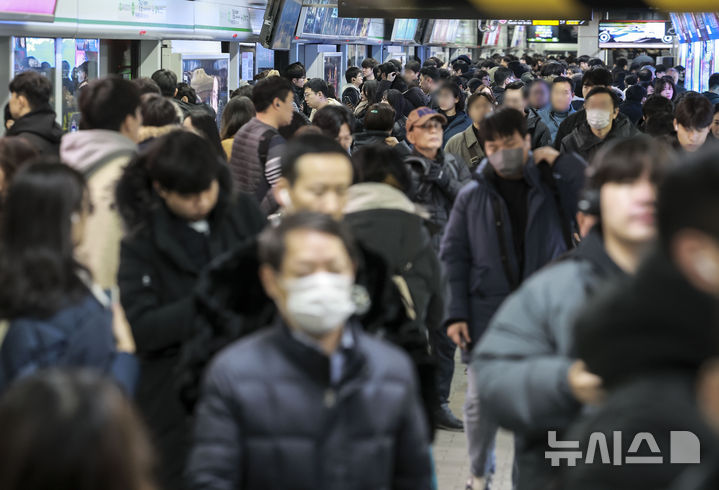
x=391, y=141
x=586, y=387
x=459, y=333
x=545, y=154
x=392, y=76
x=121, y=329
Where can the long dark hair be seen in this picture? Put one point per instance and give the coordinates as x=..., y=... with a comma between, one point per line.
x=206, y=126
x=238, y=111
x=180, y=161
x=72, y=431
x=38, y=270
x=14, y=151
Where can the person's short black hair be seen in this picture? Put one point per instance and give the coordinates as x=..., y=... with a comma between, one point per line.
x=688, y=198
x=660, y=69
x=397, y=64
x=317, y=85
x=627, y=159
x=244, y=91
x=379, y=117
x=105, y=103
x=272, y=241
x=645, y=75
x=460, y=66
x=501, y=75
x=184, y=90
x=299, y=121
x=157, y=110
x=375, y=163
x=477, y=97
x=597, y=76
x=147, y=86
x=456, y=93
x=166, y=80
x=444, y=74
x=351, y=73
x=604, y=90
x=369, y=63
x=553, y=69
x=269, y=89
x=430, y=72
x=659, y=125
x=630, y=79
x=294, y=70
x=694, y=111
x=635, y=93
x=595, y=62
x=387, y=68
x=331, y=118
x=413, y=66
x=714, y=81
x=656, y=104
x=518, y=69
x=304, y=145
x=568, y=80
x=518, y=85
x=503, y=123
x=621, y=63
x=35, y=87
x=583, y=58
x=473, y=85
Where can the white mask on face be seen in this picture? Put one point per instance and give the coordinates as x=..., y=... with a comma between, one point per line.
x=321, y=302
x=598, y=118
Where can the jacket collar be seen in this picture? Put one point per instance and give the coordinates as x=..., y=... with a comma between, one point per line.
x=486, y=175
x=592, y=250
x=470, y=138
x=311, y=360
x=375, y=195
x=162, y=229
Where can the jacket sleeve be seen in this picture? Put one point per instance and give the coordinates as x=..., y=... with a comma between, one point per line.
x=453, y=186
x=216, y=456
x=521, y=379
x=457, y=260
x=570, y=172
x=412, y=470
x=542, y=136
x=565, y=128
x=155, y=326
x=95, y=348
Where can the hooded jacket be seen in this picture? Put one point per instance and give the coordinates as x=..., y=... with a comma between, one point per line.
x=40, y=130
x=101, y=156
x=160, y=263
x=522, y=360
x=458, y=124
x=552, y=119
x=586, y=144
x=472, y=253
x=272, y=415
x=436, y=184
x=389, y=224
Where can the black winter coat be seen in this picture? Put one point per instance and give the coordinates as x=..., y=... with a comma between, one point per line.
x=270, y=416
x=633, y=110
x=157, y=278
x=539, y=132
x=586, y=144
x=40, y=130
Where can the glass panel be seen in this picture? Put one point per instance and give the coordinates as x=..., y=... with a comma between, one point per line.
x=38, y=54
x=207, y=75
x=79, y=66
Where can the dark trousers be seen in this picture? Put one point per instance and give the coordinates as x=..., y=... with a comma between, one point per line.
x=444, y=349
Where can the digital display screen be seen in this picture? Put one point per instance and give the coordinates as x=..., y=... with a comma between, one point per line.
x=27, y=9
x=711, y=24
x=559, y=22
x=404, y=30
x=466, y=33
x=443, y=31
x=324, y=22
x=543, y=34
x=631, y=34
x=286, y=24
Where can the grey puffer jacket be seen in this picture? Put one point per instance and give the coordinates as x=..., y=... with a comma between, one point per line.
x=522, y=361
x=271, y=417
x=437, y=195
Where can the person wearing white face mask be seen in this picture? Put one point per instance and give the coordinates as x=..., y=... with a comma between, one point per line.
x=335, y=404
x=505, y=225
x=601, y=124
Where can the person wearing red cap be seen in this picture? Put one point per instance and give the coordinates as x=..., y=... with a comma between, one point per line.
x=437, y=179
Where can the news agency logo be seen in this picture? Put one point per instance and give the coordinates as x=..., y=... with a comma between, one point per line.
x=684, y=448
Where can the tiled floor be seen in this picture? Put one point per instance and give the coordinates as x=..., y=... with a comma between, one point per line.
x=450, y=448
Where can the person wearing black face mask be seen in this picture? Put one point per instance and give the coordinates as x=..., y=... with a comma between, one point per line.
x=526, y=226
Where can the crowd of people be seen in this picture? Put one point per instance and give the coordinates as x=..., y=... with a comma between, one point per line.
x=277, y=302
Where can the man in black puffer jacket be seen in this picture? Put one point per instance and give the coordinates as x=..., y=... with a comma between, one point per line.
x=34, y=118
x=313, y=401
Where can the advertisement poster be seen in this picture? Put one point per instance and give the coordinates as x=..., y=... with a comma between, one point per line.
x=333, y=69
